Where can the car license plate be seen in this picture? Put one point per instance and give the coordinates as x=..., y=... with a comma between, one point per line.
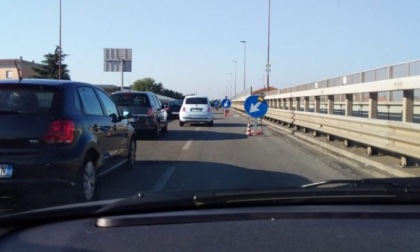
x=131, y=119
x=175, y=113
x=196, y=110
x=196, y=116
x=6, y=170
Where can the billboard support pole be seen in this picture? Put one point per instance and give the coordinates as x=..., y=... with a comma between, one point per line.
x=122, y=75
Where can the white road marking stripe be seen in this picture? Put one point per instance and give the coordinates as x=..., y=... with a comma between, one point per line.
x=160, y=184
x=187, y=144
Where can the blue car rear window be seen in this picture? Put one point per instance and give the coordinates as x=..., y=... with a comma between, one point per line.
x=26, y=99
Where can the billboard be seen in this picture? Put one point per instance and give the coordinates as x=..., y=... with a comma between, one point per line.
x=115, y=58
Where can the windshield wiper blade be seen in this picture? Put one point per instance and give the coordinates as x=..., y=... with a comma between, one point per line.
x=366, y=190
x=150, y=201
x=351, y=191
x=385, y=182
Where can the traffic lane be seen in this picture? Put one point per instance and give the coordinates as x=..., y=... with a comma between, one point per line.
x=199, y=176
x=125, y=183
x=161, y=176
x=272, y=151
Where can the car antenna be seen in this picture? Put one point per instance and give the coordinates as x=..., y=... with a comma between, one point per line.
x=17, y=69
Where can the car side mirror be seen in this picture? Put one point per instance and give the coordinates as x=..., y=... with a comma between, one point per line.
x=126, y=114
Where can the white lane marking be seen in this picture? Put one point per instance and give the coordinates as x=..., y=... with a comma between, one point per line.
x=160, y=184
x=187, y=144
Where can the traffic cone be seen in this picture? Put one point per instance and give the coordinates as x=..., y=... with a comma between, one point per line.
x=248, y=130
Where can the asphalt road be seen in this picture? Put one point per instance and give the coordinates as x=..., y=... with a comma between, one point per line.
x=199, y=157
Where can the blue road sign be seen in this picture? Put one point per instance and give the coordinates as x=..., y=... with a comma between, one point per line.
x=226, y=103
x=216, y=103
x=255, y=106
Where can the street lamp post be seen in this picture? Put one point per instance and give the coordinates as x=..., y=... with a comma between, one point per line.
x=268, y=47
x=59, y=47
x=243, y=41
x=235, y=73
x=230, y=85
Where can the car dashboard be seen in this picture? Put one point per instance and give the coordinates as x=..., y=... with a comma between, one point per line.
x=263, y=228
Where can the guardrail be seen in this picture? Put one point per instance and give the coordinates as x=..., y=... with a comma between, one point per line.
x=302, y=111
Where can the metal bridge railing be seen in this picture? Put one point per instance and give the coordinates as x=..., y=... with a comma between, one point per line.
x=401, y=70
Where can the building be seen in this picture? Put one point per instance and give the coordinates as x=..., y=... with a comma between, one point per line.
x=9, y=68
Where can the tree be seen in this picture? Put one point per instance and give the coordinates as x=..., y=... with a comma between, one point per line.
x=172, y=94
x=149, y=84
x=49, y=68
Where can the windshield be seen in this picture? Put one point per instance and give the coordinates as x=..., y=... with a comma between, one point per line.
x=302, y=92
x=130, y=99
x=196, y=100
x=176, y=102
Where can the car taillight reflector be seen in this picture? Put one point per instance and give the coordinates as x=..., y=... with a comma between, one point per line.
x=208, y=109
x=60, y=131
x=183, y=109
x=149, y=111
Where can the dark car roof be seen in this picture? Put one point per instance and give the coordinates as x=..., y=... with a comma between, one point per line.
x=132, y=92
x=48, y=82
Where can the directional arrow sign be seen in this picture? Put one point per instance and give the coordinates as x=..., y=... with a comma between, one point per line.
x=226, y=103
x=256, y=106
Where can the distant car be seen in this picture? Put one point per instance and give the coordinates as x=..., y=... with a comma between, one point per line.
x=148, y=114
x=196, y=109
x=57, y=134
x=173, y=108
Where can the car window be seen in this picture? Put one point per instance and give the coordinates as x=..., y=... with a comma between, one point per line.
x=157, y=101
x=130, y=99
x=151, y=100
x=26, y=100
x=109, y=105
x=77, y=103
x=90, y=102
x=176, y=102
x=196, y=100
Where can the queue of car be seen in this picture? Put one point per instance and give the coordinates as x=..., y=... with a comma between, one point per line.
x=78, y=133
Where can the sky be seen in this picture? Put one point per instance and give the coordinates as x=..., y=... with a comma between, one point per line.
x=190, y=46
